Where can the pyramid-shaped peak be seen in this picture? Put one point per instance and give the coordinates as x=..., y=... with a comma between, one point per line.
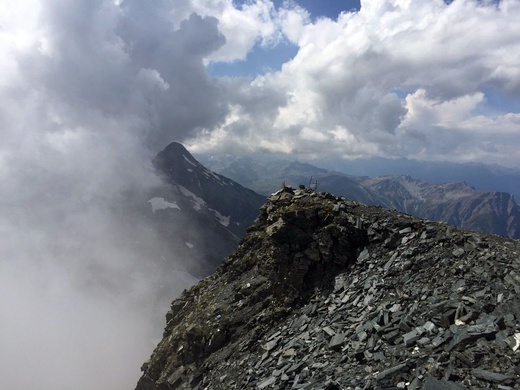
x=176, y=150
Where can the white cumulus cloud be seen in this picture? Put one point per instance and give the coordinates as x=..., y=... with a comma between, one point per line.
x=366, y=72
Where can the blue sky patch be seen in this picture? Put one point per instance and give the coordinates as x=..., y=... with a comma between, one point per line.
x=258, y=61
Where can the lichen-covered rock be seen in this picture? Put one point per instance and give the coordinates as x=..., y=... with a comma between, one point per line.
x=326, y=293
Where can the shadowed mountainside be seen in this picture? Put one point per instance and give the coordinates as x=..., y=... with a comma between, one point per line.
x=200, y=215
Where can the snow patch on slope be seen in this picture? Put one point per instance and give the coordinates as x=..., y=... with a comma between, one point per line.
x=197, y=202
x=222, y=219
x=209, y=174
x=161, y=204
x=189, y=161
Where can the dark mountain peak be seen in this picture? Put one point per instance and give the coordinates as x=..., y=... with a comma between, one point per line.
x=235, y=205
x=177, y=151
x=177, y=164
x=324, y=292
x=175, y=147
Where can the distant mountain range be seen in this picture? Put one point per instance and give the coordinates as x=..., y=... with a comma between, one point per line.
x=455, y=203
x=483, y=177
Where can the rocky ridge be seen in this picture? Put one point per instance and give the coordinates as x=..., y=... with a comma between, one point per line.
x=326, y=293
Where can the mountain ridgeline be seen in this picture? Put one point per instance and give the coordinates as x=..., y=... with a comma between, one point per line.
x=327, y=293
x=455, y=203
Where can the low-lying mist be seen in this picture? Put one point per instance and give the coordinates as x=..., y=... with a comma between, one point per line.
x=88, y=99
x=82, y=288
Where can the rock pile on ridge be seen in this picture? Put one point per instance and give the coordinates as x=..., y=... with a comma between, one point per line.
x=326, y=293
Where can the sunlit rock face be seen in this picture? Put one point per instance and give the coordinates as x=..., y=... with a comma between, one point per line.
x=326, y=293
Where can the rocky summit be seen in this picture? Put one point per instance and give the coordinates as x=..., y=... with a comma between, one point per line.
x=327, y=293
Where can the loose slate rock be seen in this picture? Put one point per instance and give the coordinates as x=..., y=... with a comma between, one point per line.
x=268, y=382
x=361, y=296
x=438, y=384
x=336, y=340
x=490, y=376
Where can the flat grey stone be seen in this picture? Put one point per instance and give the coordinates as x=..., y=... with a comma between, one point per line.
x=412, y=336
x=392, y=370
x=336, y=340
x=458, y=252
x=271, y=344
x=268, y=382
x=439, y=384
x=490, y=376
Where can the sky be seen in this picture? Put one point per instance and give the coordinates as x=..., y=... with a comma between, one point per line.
x=91, y=90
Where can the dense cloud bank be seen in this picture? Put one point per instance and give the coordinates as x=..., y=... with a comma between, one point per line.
x=90, y=91
x=407, y=78
x=425, y=80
